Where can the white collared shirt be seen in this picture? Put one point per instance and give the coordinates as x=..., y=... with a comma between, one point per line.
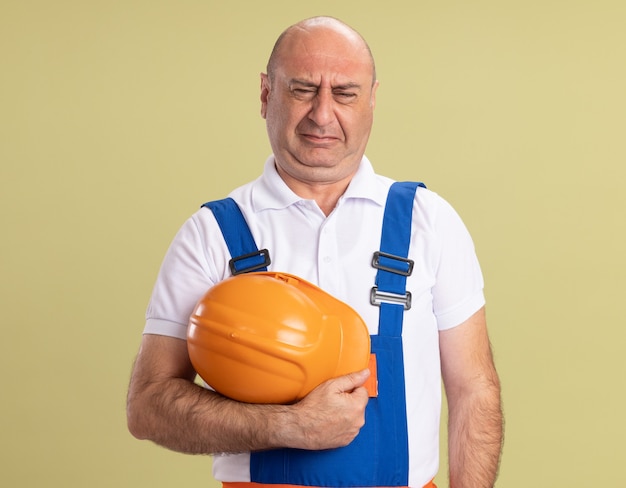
x=335, y=253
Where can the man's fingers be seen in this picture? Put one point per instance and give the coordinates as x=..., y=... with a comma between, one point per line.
x=352, y=381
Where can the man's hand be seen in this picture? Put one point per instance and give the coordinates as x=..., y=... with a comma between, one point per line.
x=331, y=415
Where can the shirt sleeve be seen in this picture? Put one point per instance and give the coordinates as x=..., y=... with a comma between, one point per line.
x=458, y=291
x=184, y=277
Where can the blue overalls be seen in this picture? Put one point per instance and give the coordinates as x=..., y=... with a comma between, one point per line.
x=379, y=455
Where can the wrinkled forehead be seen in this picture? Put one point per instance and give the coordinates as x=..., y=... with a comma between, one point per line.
x=323, y=52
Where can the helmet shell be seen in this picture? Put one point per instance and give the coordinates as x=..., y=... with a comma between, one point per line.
x=270, y=337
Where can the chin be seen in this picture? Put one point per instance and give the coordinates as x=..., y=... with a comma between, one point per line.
x=321, y=158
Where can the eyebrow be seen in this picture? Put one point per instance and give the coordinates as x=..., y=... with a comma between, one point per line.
x=310, y=84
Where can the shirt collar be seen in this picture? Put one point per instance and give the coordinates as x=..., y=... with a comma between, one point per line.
x=270, y=191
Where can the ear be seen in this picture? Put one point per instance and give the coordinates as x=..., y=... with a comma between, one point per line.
x=265, y=93
x=373, y=96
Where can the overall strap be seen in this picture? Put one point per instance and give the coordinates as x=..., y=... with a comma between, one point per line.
x=245, y=256
x=392, y=260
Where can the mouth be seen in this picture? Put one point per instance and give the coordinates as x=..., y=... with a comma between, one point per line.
x=319, y=140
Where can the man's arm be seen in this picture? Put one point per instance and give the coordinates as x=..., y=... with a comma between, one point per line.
x=475, y=423
x=166, y=406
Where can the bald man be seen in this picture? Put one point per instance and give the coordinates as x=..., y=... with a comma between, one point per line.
x=319, y=208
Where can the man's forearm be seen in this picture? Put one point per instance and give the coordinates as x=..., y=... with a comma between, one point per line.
x=182, y=416
x=475, y=431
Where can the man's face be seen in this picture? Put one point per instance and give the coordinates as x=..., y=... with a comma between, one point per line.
x=319, y=105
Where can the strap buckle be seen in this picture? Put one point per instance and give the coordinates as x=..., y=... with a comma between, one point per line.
x=377, y=297
x=249, y=262
x=390, y=263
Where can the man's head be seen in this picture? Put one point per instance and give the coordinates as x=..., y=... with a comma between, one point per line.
x=318, y=99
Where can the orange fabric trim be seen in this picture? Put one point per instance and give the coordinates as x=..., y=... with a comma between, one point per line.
x=371, y=384
x=244, y=484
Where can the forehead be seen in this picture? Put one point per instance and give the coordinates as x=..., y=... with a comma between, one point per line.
x=321, y=53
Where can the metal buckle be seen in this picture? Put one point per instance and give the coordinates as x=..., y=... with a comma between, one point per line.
x=263, y=253
x=377, y=297
x=408, y=262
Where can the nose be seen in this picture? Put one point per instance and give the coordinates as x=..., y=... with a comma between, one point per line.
x=322, y=109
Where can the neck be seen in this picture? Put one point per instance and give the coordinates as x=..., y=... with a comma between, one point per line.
x=325, y=194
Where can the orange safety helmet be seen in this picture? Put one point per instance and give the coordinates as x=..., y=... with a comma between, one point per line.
x=270, y=337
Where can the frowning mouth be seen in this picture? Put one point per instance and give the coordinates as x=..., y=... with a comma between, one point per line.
x=319, y=140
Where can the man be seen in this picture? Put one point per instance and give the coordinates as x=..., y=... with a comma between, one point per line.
x=319, y=208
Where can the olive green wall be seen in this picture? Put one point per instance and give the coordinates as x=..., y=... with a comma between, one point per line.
x=118, y=118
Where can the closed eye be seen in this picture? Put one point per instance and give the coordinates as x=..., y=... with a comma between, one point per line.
x=345, y=95
x=304, y=93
